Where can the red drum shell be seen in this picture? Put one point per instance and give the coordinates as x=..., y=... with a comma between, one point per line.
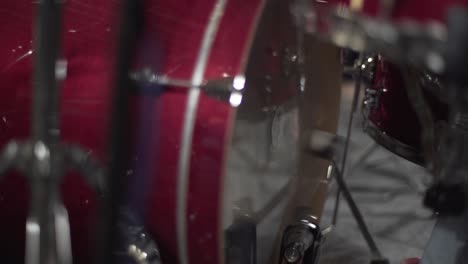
x=393, y=122
x=173, y=35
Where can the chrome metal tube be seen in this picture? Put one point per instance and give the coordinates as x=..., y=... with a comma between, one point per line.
x=46, y=45
x=44, y=118
x=357, y=90
x=376, y=253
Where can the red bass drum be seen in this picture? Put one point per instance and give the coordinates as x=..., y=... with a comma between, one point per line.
x=181, y=128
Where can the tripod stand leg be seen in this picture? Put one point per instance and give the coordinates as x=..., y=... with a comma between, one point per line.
x=377, y=257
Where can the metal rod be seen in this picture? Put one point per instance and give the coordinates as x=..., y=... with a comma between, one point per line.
x=357, y=214
x=152, y=78
x=44, y=105
x=44, y=117
x=130, y=26
x=357, y=89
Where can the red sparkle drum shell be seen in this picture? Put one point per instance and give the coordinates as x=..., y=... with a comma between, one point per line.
x=248, y=42
x=389, y=116
x=392, y=121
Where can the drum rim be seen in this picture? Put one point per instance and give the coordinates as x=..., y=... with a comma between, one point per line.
x=393, y=145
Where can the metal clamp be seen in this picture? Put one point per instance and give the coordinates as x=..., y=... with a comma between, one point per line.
x=301, y=242
x=47, y=213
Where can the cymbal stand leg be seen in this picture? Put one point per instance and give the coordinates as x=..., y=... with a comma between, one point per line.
x=42, y=158
x=39, y=158
x=45, y=173
x=377, y=256
x=357, y=90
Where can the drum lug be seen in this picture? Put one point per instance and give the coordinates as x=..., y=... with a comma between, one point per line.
x=371, y=96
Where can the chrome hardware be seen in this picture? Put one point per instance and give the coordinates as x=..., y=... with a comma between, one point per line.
x=370, y=99
x=371, y=96
x=372, y=92
x=326, y=142
x=293, y=253
x=364, y=68
x=368, y=69
x=42, y=158
x=223, y=89
x=35, y=156
x=34, y=159
x=301, y=242
x=289, y=62
x=139, y=247
x=148, y=76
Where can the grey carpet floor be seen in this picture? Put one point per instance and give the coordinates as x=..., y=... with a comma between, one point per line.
x=388, y=191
